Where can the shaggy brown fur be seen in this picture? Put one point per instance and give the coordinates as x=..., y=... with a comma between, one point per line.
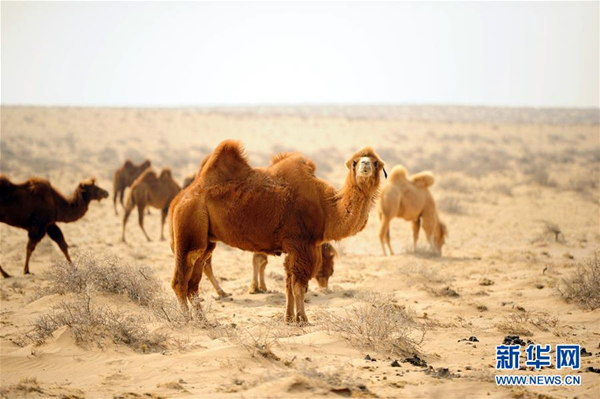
x=409, y=198
x=36, y=207
x=151, y=190
x=124, y=177
x=324, y=269
x=284, y=208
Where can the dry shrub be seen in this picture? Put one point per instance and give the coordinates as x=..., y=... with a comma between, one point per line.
x=583, y=286
x=521, y=322
x=453, y=183
x=451, y=205
x=539, y=175
x=503, y=188
x=258, y=343
x=550, y=232
x=377, y=323
x=108, y=274
x=90, y=323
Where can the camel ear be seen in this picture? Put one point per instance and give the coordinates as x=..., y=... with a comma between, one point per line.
x=349, y=163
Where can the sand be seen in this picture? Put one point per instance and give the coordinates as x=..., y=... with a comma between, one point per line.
x=500, y=174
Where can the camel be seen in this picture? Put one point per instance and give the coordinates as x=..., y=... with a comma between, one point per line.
x=188, y=180
x=409, y=198
x=124, y=177
x=324, y=269
x=151, y=190
x=36, y=207
x=283, y=208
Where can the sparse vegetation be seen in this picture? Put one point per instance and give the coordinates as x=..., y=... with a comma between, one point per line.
x=583, y=286
x=520, y=322
x=451, y=205
x=377, y=323
x=107, y=274
x=92, y=323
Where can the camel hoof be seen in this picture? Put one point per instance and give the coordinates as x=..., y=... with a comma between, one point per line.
x=301, y=320
x=223, y=295
x=255, y=291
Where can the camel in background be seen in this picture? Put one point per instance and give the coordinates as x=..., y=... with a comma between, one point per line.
x=36, y=207
x=151, y=190
x=188, y=180
x=409, y=198
x=283, y=208
x=124, y=177
x=324, y=269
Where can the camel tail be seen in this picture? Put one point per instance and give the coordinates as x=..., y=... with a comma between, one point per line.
x=398, y=174
x=423, y=179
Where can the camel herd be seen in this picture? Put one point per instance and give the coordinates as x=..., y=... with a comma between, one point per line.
x=279, y=209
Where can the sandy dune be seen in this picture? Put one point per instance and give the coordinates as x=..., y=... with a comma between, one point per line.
x=501, y=174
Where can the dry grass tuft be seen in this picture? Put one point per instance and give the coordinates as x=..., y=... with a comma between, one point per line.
x=520, y=322
x=90, y=323
x=451, y=205
x=583, y=287
x=377, y=323
x=108, y=274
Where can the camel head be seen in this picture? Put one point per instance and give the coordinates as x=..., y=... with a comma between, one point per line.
x=365, y=166
x=91, y=191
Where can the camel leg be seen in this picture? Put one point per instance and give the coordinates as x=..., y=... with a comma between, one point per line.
x=3, y=273
x=35, y=235
x=301, y=270
x=289, y=295
x=384, y=235
x=163, y=217
x=125, y=218
x=416, y=226
x=115, y=201
x=262, y=285
x=57, y=236
x=141, y=220
x=258, y=260
x=121, y=195
x=208, y=271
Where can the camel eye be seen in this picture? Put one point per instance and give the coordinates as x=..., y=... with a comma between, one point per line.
x=376, y=164
x=353, y=164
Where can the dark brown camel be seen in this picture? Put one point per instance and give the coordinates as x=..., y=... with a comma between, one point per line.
x=124, y=177
x=36, y=207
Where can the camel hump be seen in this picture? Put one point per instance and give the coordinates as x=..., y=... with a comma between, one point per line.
x=295, y=158
x=398, y=174
x=423, y=179
x=165, y=174
x=148, y=176
x=227, y=162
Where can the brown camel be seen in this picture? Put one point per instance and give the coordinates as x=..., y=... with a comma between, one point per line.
x=409, y=198
x=124, y=177
x=151, y=190
x=36, y=207
x=324, y=269
x=284, y=208
x=259, y=263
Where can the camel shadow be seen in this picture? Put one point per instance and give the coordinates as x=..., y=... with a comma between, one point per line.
x=441, y=259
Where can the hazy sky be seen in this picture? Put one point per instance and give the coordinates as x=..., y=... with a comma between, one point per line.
x=205, y=53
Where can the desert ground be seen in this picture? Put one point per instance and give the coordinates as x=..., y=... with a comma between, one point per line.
x=517, y=188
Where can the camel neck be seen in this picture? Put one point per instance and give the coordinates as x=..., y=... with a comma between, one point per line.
x=72, y=208
x=349, y=212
